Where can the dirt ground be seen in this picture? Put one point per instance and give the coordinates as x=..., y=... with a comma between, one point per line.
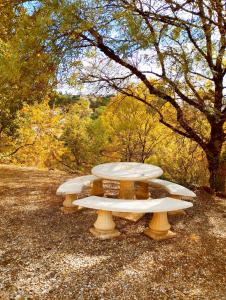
x=47, y=254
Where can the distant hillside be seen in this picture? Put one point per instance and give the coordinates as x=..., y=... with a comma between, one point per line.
x=62, y=100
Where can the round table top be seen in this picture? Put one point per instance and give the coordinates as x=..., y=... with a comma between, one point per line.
x=130, y=171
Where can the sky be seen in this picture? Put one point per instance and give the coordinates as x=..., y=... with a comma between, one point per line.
x=30, y=5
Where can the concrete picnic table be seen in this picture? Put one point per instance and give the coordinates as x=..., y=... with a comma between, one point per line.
x=132, y=202
x=127, y=173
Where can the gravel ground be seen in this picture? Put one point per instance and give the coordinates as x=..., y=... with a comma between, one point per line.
x=46, y=254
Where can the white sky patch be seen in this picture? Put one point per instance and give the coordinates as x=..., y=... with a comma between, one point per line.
x=104, y=67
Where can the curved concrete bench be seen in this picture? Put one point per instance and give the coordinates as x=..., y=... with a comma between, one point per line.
x=173, y=189
x=104, y=227
x=72, y=187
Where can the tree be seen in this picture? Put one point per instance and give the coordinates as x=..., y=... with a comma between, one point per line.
x=180, y=42
x=83, y=137
x=27, y=70
x=37, y=139
x=134, y=129
x=182, y=160
x=64, y=137
x=135, y=134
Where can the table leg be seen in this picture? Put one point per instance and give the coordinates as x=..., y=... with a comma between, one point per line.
x=104, y=227
x=127, y=191
x=97, y=188
x=159, y=227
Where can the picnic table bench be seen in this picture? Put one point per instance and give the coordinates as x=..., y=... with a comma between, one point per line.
x=159, y=227
x=75, y=186
x=174, y=189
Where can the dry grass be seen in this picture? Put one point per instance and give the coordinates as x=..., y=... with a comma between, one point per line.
x=46, y=254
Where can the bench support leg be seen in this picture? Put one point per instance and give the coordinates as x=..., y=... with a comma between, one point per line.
x=104, y=227
x=179, y=212
x=159, y=227
x=97, y=189
x=68, y=207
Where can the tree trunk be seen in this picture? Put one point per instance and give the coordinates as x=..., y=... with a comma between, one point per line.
x=213, y=166
x=213, y=154
x=221, y=177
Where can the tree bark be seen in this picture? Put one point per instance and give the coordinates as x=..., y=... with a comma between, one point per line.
x=213, y=166
x=213, y=153
x=221, y=176
x=217, y=170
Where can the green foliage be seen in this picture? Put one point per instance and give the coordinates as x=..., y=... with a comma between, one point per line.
x=62, y=100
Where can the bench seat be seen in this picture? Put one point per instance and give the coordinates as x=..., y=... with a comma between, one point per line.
x=75, y=185
x=139, y=206
x=104, y=227
x=172, y=188
x=72, y=187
